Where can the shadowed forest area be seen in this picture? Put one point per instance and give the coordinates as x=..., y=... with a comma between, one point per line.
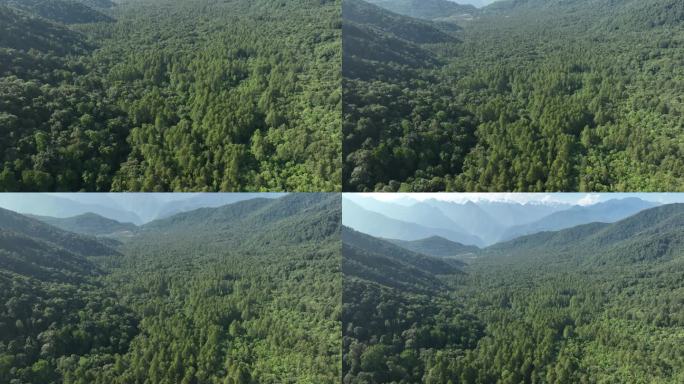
x=170, y=95
x=521, y=95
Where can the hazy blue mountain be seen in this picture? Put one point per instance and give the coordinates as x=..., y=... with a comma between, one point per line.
x=469, y=215
x=425, y=9
x=138, y=208
x=511, y=213
x=378, y=225
x=606, y=212
x=89, y=224
x=56, y=206
x=418, y=213
x=436, y=246
x=203, y=200
x=487, y=220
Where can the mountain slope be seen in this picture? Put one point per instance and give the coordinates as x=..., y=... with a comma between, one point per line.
x=426, y=9
x=34, y=257
x=606, y=212
x=206, y=200
x=652, y=235
x=378, y=225
x=88, y=224
x=31, y=228
x=61, y=11
x=395, y=306
x=24, y=32
x=318, y=213
x=405, y=28
x=436, y=246
x=380, y=44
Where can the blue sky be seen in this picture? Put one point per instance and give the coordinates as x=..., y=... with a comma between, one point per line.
x=563, y=198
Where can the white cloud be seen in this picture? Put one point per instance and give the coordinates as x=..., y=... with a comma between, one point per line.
x=589, y=199
x=521, y=198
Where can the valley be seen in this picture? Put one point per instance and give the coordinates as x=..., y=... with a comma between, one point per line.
x=591, y=303
x=212, y=295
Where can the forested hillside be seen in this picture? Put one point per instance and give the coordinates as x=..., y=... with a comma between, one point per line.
x=238, y=95
x=89, y=224
x=594, y=303
x=427, y=9
x=537, y=95
x=436, y=246
x=255, y=299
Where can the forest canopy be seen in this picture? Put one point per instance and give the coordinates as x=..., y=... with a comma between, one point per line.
x=241, y=294
x=596, y=303
x=211, y=96
x=537, y=95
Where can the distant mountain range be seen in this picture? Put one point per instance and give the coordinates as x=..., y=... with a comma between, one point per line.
x=478, y=223
x=138, y=209
x=88, y=224
x=608, y=212
x=379, y=225
x=425, y=9
x=651, y=235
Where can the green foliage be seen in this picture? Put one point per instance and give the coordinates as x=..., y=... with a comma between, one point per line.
x=246, y=293
x=62, y=11
x=599, y=303
x=425, y=9
x=529, y=96
x=229, y=96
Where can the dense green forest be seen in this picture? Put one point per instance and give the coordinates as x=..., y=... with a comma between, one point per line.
x=213, y=95
x=242, y=294
x=522, y=95
x=597, y=303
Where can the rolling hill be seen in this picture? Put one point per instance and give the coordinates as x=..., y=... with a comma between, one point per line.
x=31, y=228
x=61, y=11
x=652, y=235
x=380, y=44
x=23, y=32
x=606, y=212
x=426, y=9
x=437, y=247
x=88, y=224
